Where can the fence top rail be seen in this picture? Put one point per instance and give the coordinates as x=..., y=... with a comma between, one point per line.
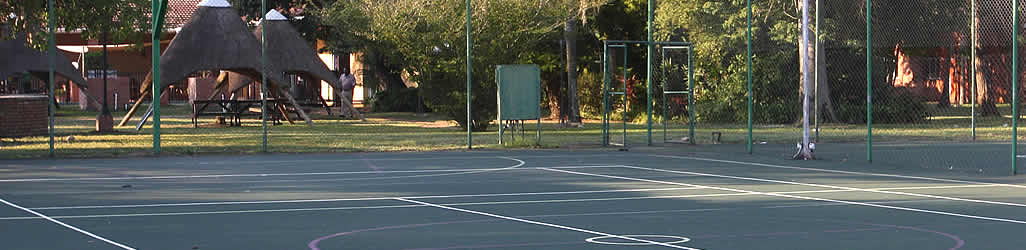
x=612, y=42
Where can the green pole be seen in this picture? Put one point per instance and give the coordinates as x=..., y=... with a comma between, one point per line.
x=691, y=94
x=159, y=8
x=51, y=55
x=263, y=73
x=665, y=80
x=623, y=98
x=972, y=67
x=815, y=70
x=470, y=121
x=1015, y=84
x=751, y=93
x=648, y=77
x=605, y=93
x=869, y=80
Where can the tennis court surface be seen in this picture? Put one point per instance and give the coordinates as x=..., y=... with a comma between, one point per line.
x=582, y=199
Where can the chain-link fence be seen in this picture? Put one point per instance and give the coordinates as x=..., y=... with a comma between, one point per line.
x=940, y=84
x=919, y=84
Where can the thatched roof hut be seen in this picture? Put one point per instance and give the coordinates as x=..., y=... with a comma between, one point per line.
x=214, y=38
x=16, y=58
x=288, y=53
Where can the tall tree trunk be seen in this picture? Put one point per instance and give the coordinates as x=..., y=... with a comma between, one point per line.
x=552, y=86
x=826, y=105
x=985, y=95
x=570, y=35
x=944, y=65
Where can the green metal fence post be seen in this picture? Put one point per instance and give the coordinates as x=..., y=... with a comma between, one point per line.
x=748, y=59
x=263, y=73
x=691, y=94
x=159, y=10
x=470, y=121
x=626, y=105
x=1015, y=85
x=815, y=70
x=648, y=77
x=51, y=57
x=972, y=67
x=664, y=80
x=605, y=93
x=869, y=80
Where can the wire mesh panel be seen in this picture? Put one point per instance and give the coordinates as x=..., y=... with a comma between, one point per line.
x=941, y=84
x=1019, y=158
x=839, y=77
x=617, y=93
x=674, y=103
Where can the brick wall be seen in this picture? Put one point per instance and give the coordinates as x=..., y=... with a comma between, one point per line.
x=23, y=115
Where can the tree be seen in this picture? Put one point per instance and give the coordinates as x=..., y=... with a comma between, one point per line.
x=718, y=28
x=426, y=38
x=125, y=20
x=579, y=12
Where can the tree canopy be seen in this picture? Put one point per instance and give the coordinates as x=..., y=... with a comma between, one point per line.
x=123, y=19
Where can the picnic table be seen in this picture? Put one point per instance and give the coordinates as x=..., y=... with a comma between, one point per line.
x=233, y=109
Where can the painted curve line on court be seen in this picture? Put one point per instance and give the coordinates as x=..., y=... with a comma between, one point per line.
x=370, y=164
x=313, y=245
x=461, y=171
x=959, y=243
x=545, y=224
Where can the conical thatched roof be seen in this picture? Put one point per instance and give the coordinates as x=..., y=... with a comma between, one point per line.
x=289, y=53
x=215, y=38
x=16, y=58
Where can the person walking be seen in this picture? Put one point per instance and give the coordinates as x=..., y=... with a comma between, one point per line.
x=348, y=82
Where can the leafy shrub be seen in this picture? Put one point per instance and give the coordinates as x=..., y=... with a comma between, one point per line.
x=402, y=100
x=891, y=104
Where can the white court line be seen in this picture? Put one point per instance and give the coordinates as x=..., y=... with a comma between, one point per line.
x=356, y=199
x=800, y=197
x=267, y=174
x=522, y=163
x=271, y=162
x=834, y=171
x=211, y=212
x=235, y=175
x=459, y=204
x=276, y=174
x=547, y=224
x=834, y=187
x=66, y=225
x=454, y=204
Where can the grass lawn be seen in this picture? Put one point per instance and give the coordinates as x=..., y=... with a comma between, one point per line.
x=408, y=132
